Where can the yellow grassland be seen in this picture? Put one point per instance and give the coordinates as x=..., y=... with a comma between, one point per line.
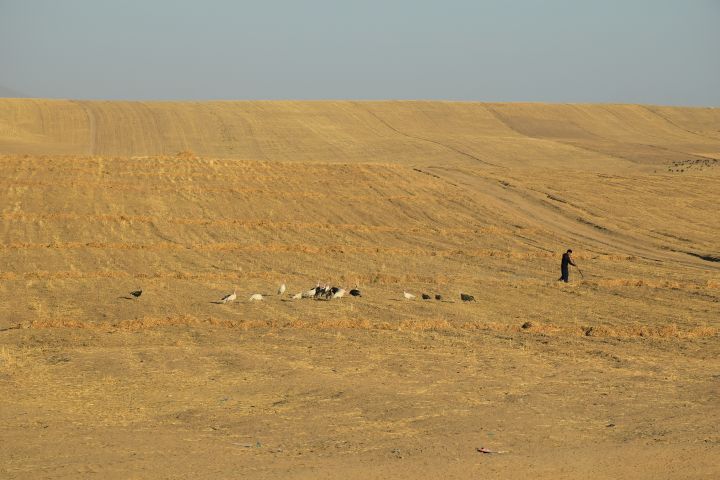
x=614, y=375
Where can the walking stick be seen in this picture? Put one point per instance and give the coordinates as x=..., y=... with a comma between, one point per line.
x=581, y=275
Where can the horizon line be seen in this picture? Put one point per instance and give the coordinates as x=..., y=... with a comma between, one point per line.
x=352, y=100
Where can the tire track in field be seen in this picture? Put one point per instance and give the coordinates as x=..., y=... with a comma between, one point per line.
x=260, y=248
x=26, y=217
x=92, y=126
x=435, y=142
x=517, y=202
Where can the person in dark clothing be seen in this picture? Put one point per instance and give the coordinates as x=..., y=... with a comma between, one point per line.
x=565, y=266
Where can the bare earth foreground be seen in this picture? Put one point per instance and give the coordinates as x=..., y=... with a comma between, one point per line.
x=615, y=375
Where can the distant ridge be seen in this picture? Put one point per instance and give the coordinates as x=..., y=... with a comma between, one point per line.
x=406, y=132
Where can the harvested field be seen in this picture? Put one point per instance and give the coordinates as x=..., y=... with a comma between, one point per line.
x=615, y=374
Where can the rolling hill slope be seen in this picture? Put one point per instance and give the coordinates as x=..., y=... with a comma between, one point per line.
x=380, y=191
x=508, y=135
x=608, y=376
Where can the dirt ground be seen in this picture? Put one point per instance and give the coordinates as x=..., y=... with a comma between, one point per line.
x=614, y=375
x=218, y=402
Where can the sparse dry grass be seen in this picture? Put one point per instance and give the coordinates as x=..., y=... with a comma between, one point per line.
x=671, y=331
x=7, y=360
x=437, y=198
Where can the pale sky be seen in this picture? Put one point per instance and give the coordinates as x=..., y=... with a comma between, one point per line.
x=579, y=51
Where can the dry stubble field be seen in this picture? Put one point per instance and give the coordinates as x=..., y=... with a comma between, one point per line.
x=617, y=375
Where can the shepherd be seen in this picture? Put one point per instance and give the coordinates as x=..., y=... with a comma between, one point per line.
x=565, y=266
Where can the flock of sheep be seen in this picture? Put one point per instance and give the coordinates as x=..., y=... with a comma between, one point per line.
x=325, y=292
